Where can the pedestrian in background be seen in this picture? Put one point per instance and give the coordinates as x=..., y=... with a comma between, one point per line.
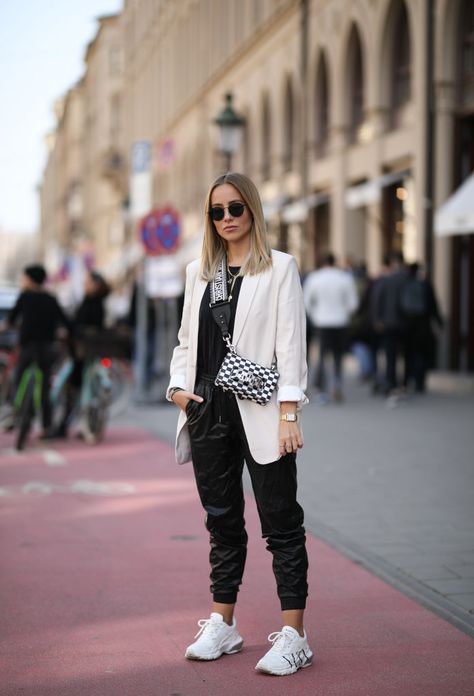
x=389, y=319
x=420, y=307
x=330, y=298
x=40, y=315
x=218, y=432
x=89, y=316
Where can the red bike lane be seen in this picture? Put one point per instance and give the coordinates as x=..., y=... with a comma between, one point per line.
x=105, y=575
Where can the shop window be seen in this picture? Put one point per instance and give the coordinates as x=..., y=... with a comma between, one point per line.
x=401, y=65
x=266, y=139
x=321, y=229
x=322, y=107
x=289, y=128
x=355, y=86
x=246, y=145
x=462, y=246
x=465, y=74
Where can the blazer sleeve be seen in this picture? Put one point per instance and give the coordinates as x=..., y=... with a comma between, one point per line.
x=180, y=353
x=290, y=348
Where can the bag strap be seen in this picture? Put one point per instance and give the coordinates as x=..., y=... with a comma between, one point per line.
x=219, y=304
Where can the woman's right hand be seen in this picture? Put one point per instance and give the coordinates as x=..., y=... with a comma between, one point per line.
x=182, y=398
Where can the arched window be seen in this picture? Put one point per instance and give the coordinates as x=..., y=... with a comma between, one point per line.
x=465, y=72
x=356, y=85
x=321, y=107
x=401, y=64
x=289, y=128
x=246, y=144
x=266, y=139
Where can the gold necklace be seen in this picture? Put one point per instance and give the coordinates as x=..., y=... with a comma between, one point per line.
x=232, y=282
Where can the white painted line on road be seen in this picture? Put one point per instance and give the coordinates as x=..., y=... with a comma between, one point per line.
x=95, y=488
x=37, y=487
x=83, y=487
x=11, y=452
x=53, y=458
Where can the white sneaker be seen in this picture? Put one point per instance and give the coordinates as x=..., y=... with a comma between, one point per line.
x=288, y=653
x=214, y=638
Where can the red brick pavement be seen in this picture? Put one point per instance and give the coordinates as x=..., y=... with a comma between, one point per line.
x=105, y=575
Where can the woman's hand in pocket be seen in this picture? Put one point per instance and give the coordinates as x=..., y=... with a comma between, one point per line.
x=182, y=398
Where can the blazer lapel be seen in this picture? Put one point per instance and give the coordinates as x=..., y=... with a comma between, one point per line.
x=199, y=288
x=246, y=295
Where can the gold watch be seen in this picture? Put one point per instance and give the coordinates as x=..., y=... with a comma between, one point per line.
x=289, y=417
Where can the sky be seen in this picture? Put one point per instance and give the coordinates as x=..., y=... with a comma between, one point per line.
x=42, y=48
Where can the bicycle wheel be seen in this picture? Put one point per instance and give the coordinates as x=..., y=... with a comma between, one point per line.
x=96, y=411
x=63, y=397
x=26, y=414
x=4, y=387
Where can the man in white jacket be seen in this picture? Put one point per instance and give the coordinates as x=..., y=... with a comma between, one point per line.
x=330, y=297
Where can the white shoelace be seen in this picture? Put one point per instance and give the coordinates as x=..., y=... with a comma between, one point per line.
x=280, y=640
x=206, y=624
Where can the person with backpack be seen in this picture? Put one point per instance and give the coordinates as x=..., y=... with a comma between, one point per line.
x=389, y=320
x=420, y=308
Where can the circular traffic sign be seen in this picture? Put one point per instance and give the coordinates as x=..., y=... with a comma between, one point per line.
x=159, y=231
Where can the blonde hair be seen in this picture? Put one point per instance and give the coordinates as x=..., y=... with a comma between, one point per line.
x=214, y=247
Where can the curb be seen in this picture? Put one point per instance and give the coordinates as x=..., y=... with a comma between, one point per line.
x=395, y=577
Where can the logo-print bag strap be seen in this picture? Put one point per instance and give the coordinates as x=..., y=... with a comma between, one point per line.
x=219, y=304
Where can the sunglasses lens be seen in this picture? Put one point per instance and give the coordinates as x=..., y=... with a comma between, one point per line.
x=236, y=209
x=217, y=214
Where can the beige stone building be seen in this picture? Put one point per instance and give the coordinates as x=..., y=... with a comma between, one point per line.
x=334, y=95
x=61, y=187
x=17, y=249
x=85, y=184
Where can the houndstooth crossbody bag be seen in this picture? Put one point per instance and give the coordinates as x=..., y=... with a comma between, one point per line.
x=244, y=378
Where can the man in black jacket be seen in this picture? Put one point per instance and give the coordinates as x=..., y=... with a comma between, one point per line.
x=388, y=318
x=40, y=315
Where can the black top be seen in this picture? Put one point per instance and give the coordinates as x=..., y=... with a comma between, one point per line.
x=40, y=315
x=211, y=347
x=90, y=312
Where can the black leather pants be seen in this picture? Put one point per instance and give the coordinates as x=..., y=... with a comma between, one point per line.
x=219, y=448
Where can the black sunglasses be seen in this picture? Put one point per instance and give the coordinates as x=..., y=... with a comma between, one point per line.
x=235, y=209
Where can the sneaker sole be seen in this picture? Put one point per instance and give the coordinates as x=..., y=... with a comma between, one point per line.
x=215, y=656
x=285, y=672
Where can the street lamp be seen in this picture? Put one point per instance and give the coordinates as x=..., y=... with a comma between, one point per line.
x=230, y=130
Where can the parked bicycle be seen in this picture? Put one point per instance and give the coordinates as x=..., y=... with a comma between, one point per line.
x=8, y=358
x=94, y=399
x=102, y=384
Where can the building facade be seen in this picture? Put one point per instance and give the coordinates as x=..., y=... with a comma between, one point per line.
x=336, y=96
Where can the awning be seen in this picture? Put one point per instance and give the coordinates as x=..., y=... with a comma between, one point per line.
x=297, y=211
x=272, y=206
x=456, y=215
x=370, y=192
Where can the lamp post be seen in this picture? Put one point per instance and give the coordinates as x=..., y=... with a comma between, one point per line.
x=230, y=130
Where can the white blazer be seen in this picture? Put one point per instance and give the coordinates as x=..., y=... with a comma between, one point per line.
x=270, y=324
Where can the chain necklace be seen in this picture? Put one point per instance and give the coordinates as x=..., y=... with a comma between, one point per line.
x=232, y=280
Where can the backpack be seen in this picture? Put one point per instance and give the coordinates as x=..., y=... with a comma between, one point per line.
x=413, y=300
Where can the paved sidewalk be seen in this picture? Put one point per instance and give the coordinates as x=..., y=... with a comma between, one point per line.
x=392, y=488
x=107, y=576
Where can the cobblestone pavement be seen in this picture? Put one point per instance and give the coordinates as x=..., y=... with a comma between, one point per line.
x=391, y=487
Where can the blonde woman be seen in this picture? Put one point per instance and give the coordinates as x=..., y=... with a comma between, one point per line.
x=218, y=431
